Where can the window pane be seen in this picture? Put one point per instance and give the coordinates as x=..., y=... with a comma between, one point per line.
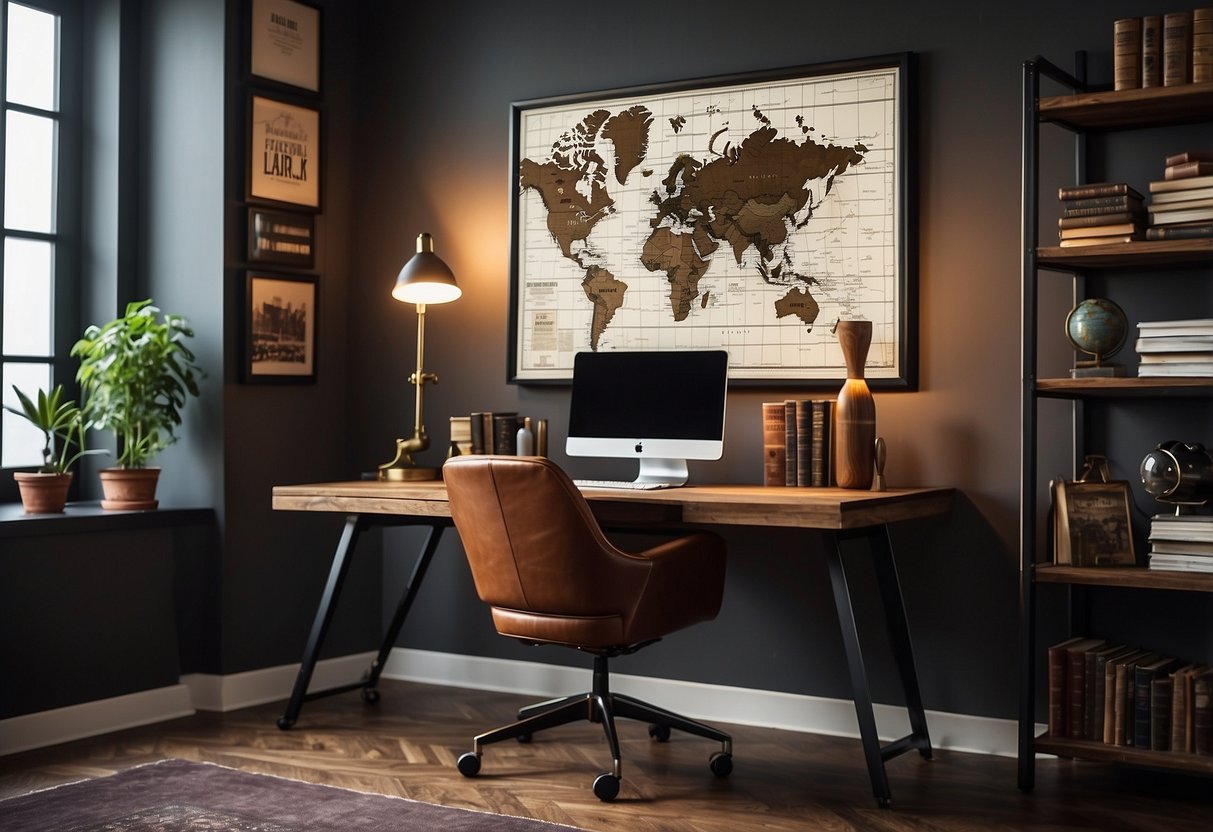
x=27, y=297
x=22, y=445
x=29, y=173
x=32, y=48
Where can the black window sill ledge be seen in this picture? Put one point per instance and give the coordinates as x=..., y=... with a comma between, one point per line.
x=90, y=517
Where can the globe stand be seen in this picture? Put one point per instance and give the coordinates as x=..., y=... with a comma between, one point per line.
x=1097, y=327
x=1097, y=369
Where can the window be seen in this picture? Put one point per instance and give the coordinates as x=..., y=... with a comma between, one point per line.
x=36, y=274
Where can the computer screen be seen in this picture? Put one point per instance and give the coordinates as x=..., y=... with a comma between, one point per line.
x=660, y=408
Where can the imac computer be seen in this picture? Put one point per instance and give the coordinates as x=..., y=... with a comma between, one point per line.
x=659, y=408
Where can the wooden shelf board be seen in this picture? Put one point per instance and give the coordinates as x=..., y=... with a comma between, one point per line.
x=1121, y=255
x=1126, y=576
x=1125, y=387
x=1088, y=750
x=1130, y=108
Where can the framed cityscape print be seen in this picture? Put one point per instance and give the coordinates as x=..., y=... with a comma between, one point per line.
x=745, y=213
x=280, y=328
x=284, y=238
x=284, y=42
x=284, y=153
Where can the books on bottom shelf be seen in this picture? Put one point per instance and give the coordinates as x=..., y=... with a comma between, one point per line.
x=798, y=442
x=1129, y=696
x=1182, y=543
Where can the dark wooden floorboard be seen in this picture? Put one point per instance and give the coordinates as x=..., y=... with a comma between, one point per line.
x=407, y=744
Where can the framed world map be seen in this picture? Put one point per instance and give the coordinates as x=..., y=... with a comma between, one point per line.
x=747, y=213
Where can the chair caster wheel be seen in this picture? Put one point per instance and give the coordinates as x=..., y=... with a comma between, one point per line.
x=606, y=787
x=370, y=695
x=469, y=764
x=659, y=732
x=525, y=739
x=721, y=764
x=285, y=724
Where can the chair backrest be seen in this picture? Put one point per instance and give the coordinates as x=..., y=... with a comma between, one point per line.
x=533, y=543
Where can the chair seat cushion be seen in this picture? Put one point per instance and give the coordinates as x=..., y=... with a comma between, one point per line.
x=574, y=631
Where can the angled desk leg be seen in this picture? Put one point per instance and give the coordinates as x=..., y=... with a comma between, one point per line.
x=899, y=635
x=354, y=526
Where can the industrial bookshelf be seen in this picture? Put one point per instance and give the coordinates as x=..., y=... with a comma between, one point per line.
x=1080, y=112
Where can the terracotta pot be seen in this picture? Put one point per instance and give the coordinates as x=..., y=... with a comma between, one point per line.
x=129, y=489
x=43, y=493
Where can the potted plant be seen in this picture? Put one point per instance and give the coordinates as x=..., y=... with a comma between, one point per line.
x=136, y=373
x=63, y=427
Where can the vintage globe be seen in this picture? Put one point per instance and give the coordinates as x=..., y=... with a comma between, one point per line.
x=1097, y=326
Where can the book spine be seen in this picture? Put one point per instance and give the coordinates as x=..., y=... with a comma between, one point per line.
x=1100, y=205
x=1094, y=190
x=1058, y=704
x=1179, y=707
x=1088, y=698
x=477, y=426
x=1126, y=53
x=1100, y=692
x=1187, y=170
x=1202, y=714
x=774, y=449
x=1202, y=46
x=1075, y=694
x=1176, y=49
x=789, y=438
x=1142, y=707
x=1109, y=704
x=1095, y=220
x=1182, y=232
x=805, y=461
x=1151, y=51
x=1119, y=701
x=819, y=447
x=487, y=427
x=1160, y=714
x=1190, y=156
x=505, y=433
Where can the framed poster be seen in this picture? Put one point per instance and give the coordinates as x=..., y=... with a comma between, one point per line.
x=1091, y=524
x=284, y=41
x=747, y=213
x=280, y=328
x=284, y=238
x=284, y=152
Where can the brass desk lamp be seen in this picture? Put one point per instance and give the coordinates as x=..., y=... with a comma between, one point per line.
x=424, y=279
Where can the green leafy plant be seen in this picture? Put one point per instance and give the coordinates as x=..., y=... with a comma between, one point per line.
x=63, y=427
x=137, y=374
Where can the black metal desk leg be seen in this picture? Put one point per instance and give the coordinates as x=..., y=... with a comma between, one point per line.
x=324, y=616
x=402, y=610
x=859, y=676
x=899, y=636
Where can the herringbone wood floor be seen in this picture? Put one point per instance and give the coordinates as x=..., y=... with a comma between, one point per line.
x=407, y=744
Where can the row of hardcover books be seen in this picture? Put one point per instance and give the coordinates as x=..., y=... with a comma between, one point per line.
x=1175, y=348
x=486, y=432
x=1182, y=543
x=1127, y=696
x=1163, y=50
x=798, y=442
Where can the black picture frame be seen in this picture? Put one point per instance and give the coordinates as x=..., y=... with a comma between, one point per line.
x=285, y=142
x=552, y=266
x=281, y=238
x=285, y=44
x=281, y=328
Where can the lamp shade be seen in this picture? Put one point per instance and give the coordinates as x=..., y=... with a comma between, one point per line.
x=425, y=278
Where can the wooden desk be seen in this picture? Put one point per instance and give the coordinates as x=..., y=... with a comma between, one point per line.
x=835, y=513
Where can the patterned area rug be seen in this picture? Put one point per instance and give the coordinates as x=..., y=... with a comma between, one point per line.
x=180, y=796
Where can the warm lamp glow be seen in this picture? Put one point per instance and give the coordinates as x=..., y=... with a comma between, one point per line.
x=425, y=278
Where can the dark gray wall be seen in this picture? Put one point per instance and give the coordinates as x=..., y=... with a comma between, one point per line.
x=434, y=158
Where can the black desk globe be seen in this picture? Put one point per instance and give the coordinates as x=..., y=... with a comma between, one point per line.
x=1097, y=327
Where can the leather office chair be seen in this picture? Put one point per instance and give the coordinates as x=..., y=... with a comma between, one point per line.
x=541, y=562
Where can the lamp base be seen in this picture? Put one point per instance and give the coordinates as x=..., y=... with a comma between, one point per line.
x=407, y=474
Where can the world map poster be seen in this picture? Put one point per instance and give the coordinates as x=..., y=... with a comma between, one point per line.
x=747, y=214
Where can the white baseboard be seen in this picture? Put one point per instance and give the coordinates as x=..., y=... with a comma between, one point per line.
x=37, y=730
x=718, y=703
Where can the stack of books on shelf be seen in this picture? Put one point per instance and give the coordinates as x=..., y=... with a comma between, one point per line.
x=1182, y=543
x=1163, y=50
x=1181, y=203
x=1175, y=348
x=1100, y=214
x=1116, y=694
x=798, y=443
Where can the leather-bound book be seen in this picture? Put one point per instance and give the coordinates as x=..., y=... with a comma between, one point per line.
x=1160, y=713
x=1151, y=51
x=1058, y=701
x=774, y=443
x=1126, y=53
x=1202, y=712
x=1076, y=672
x=1176, y=49
x=1143, y=690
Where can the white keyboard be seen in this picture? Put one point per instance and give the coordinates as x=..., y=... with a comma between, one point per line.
x=632, y=485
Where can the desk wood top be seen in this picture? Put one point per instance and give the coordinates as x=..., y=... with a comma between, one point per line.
x=731, y=505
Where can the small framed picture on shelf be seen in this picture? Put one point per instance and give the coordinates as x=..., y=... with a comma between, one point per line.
x=1091, y=525
x=284, y=37
x=284, y=238
x=284, y=153
x=280, y=328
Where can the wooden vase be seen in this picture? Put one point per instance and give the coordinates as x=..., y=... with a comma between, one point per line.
x=855, y=413
x=43, y=493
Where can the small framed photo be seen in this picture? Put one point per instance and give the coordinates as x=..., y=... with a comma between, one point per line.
x=284, y=153
x=1091, y=524
x=284, y=40
x=283, y=238
x=280, y=328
